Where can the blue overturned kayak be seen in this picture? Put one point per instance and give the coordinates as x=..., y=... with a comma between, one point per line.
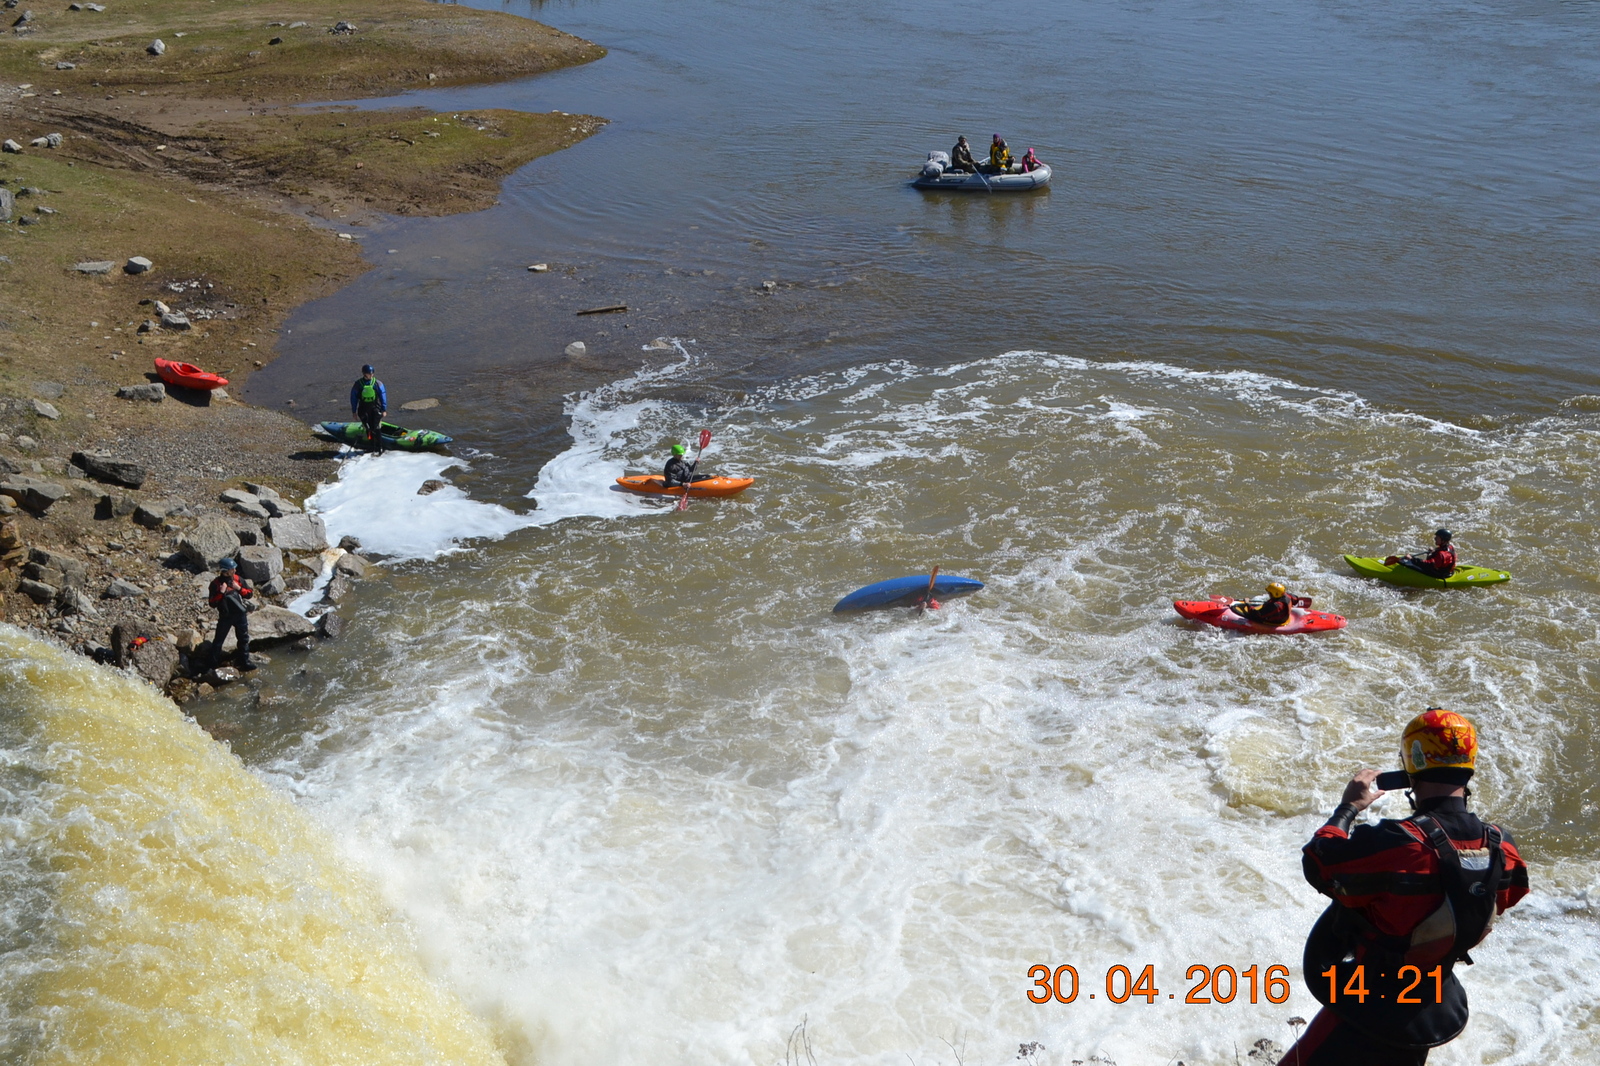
x=905, y=592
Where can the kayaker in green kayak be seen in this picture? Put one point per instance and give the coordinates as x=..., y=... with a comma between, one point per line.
x=1278, y=608
x=1439, y=563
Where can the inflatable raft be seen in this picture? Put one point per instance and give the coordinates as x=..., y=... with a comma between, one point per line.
x=1464, y=577
x=1215, y=612
x=711, y=486
x=410, y=440
x=936, y=174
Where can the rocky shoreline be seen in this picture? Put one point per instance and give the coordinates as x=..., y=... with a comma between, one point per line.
x=166, y=201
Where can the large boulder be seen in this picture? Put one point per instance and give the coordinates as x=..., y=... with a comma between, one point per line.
x=102, y=466
x=74, y=571
x=156, y=661
x=352, y=564
x=273, y=625
x=33, y=493
x=212, y=539
x=260, y=564
x=298, y=532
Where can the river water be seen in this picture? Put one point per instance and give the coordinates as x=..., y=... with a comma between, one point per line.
x=1310, y=280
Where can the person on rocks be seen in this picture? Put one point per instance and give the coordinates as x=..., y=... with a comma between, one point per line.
x=231, y=597
x=370, y=402
x=1276, y=611
x=999, y=155
x=961, y=157
x=1439, y=563
x=678, y=472
x=1411, y=897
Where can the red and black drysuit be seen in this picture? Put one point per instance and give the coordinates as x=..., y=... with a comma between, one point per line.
x=228, y=594
x=1439, y=563
x=1394, y=905
x=1276, y=611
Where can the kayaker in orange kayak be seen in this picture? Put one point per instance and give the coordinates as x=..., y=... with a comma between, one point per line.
x=679, y=472
x=1440, y=563
x=1278, y=609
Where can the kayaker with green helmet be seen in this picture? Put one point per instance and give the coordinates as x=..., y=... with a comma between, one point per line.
x=678, y=471
x=369, y=402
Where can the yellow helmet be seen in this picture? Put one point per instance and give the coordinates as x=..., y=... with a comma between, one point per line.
x=1276, y=589
x=1439, y=745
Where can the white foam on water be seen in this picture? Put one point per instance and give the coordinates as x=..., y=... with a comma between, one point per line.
x=645, y=825
x=375, y=500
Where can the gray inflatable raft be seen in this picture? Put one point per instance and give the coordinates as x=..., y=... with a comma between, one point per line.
x=936, y=175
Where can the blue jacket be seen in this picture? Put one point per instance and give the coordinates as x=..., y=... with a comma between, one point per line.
x=355, y=394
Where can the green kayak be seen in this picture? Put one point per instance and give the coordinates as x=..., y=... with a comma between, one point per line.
x=393, y=436
x=1464, y=577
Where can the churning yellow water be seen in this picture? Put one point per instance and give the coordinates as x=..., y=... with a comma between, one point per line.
x=166, y=906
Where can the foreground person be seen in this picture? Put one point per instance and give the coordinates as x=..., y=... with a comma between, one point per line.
x=1410, y=897
x=1439, y=563
x=999, y=154
x=228, y=594
x=369, y=401
x=961, y=157
x=1278, y=608
x=679, y=472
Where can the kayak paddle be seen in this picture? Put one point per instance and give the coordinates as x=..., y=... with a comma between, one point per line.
x=928, y=599
x=705, y=438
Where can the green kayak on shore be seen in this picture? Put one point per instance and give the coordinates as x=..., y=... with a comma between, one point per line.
x=411, y=440
x=1464, y=577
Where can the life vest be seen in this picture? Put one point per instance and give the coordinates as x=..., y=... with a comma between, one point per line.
x=1000, y=155
x=1343, y=939
x=369, y=391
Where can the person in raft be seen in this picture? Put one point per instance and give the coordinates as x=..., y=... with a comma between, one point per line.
x=999, y=154
x=961, y=157
x=1439, y=563
x=1031, y=162
x=230, y=596
x=680, y=473
x=1411, y=897
x=1278, y=608
x=370, y=402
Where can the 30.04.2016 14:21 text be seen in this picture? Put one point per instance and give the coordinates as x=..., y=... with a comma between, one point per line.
x=1213, y=984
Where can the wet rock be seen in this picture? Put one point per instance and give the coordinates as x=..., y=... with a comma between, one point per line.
x=577, y=349
x=153, y=514
x=352, y=564
x=121, y=590
x=96, y=266
x=116, y=505
x=221, y=675
x=211, y=539
x=260, y=564
x=298, y=532
x=74, y=571
x=37, y=591
x=182, y=690
x=278, y=507
x=349, y=543
x=303, y=644
x=154, y=391
x=137, y=264
x=45, y=410
x=157, y=47
x=103, y=466
x=330, y=626
x=33, y=493
x=75, y=601
x=338, y=588
x=430, y=486
x=420, y=405
x=156, y=661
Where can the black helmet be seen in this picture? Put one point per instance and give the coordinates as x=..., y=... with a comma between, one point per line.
x=1445, y=533
x=367, y=369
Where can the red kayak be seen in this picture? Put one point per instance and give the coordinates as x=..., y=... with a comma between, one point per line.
x=1215, y=612
x=187, y=375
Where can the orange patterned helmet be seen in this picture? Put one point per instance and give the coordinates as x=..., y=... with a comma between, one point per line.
x=1439, y=745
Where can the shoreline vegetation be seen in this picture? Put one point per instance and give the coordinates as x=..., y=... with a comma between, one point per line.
x=186, y=133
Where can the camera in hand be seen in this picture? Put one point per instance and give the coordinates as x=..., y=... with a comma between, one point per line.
x=1393, y=780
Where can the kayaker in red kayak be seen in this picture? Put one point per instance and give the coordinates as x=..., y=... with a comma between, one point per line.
x=1439, y=563
x=1278, y=609
x=370, y=402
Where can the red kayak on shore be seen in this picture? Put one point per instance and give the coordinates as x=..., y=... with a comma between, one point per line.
x=1215, y=612
x=187, y=375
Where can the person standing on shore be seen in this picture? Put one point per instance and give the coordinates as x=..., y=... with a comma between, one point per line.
x=370, y=402
x=228, y=595
x=1411, y=897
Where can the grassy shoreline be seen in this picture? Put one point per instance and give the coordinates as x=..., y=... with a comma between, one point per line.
x=203, y=160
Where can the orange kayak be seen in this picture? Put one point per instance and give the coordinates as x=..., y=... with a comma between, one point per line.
x=715, y=486
x=187, y=375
